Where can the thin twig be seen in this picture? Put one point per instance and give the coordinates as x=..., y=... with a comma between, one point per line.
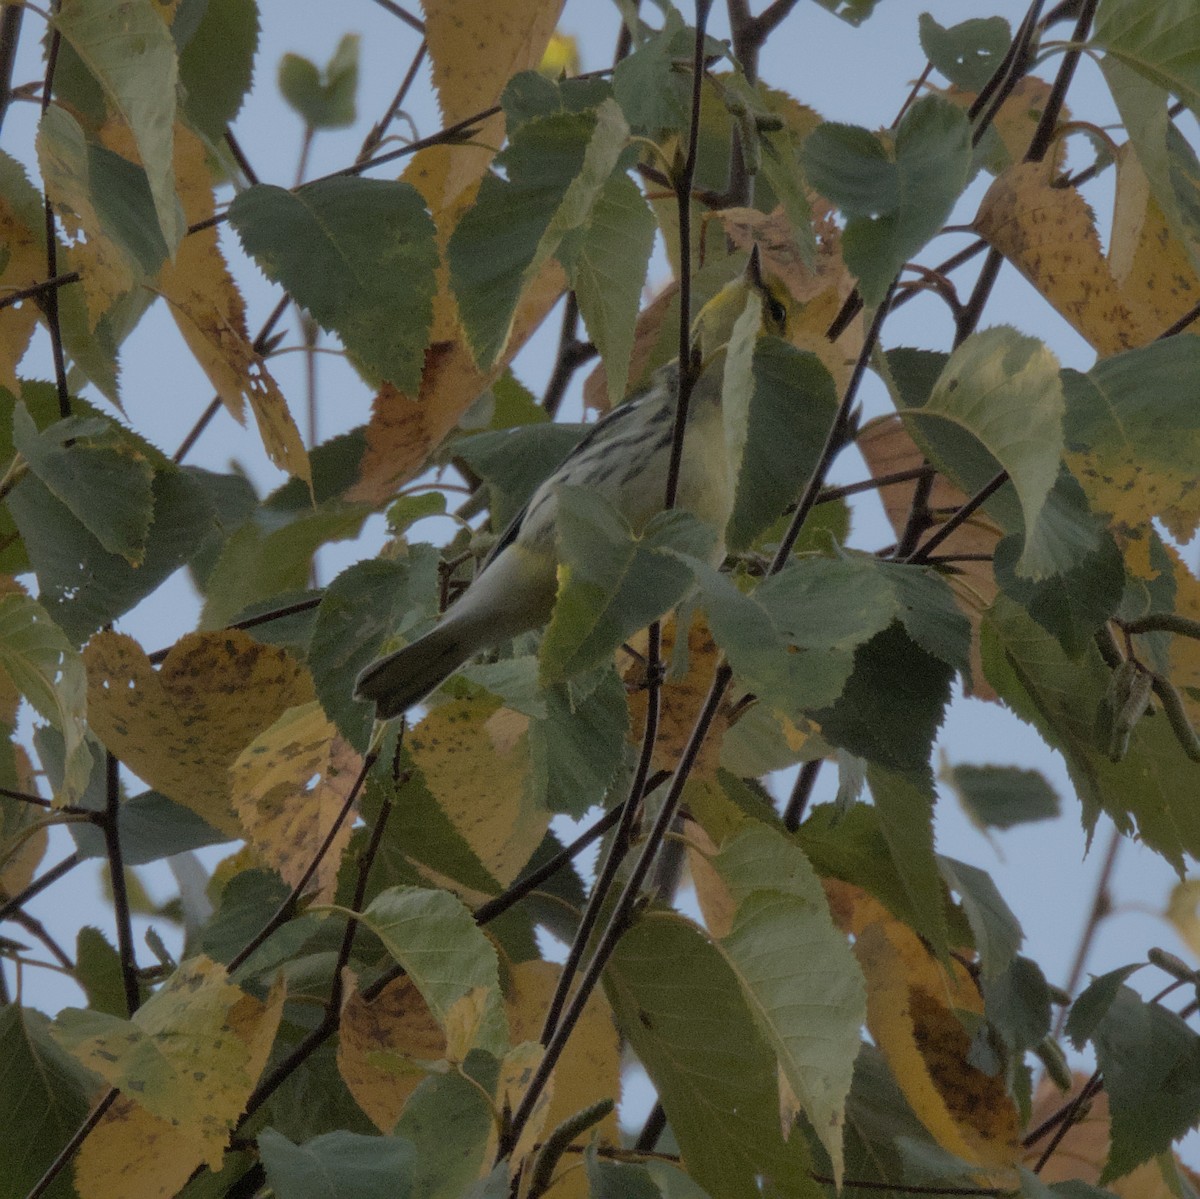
x=10, y=35
x=1043, y=136
x=39, y=884
x=109, y=826
x=49, y=299
x=68, y=1151
x=36, y=289
x=404, y=15
x=802, y=789
x=959, y=518
x=376, y=132
x=284, y=912
x=37, y=929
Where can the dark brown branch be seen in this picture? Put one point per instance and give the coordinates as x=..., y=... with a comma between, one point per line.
x=1043, y=136
x=35, y=928
x=49, y=299
x=68, y=1151
x=10, y=35
x=375, y=135
x=109, y=826
x=404, y=15
x=829, y=494
x=240, y=158
x=959, y=518
x=39, y=884
x=36, y=289
x=38, y=801
x=802, y=789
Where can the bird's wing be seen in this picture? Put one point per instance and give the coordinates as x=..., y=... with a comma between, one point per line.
x=600, y=429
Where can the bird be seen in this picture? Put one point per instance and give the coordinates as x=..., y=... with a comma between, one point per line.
x=625, y=457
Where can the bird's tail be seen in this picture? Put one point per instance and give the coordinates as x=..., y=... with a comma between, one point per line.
x=406, y=677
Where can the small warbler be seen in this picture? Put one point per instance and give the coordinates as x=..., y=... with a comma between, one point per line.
x=625, y=457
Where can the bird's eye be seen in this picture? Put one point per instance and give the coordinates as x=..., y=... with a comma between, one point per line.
x=776, y=311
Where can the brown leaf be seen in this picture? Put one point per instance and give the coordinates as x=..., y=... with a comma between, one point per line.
x=385, y=1047
x=211, y=315
x=403, y=432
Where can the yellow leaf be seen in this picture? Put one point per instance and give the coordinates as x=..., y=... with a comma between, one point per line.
x=561, y=56
x=1183, y=911
x=105, y=272
x=188, y=1059
x=385, y=1048
x=464, y=1018
x=462, y=742
x=134, y=1153
x=516, y=1073
x=475, y=48
x=24, y=264
x=680, y=699
x=911, y=1006
x=288, y=787
x=589, y=1069
x=181, y=727
x=1049, y=235
x=211, y=315
x=22, y=851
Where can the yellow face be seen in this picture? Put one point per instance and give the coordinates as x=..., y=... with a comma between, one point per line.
x=715, y=321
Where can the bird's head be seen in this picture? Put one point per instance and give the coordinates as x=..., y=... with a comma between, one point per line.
x=714, y=323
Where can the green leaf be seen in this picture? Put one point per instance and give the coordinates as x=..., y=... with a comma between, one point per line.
x=83, y=586
x=715, y=1074
x=216, y=64
x=44, y=1097
x=97, y=473
x=364, y=606
x=1133, y=437
x=608, y=271
x=1094, y=1002
x=791, y=410
x=338, y=1165
x=758, y=648
x=418, y=836
x=272, y=553
x=360, y=255
x=1170, y=164
x=896, y=195
x=904, y=801
x=616, y=1180
x=1017, y=1005
x=152, y=827
x=578, y=747
x=433, y=936
x=1074, y=604
x=892, y=705
x=613, y=583
x=652, y=93
x=449, y=1119
x=129, y=51
x=997, y=931
x=797, y=973
x=45, y=668
x=109, y=195
x=1151, y=1064
x=98, y=969
x=513, y=462
x=1060, y=697
x=1002, y=389
x=498, y=238
x=1002, y=796
x=1159, y=39
x=324, y=99
x=853, y=12
x=840, y=603
x=967, y=53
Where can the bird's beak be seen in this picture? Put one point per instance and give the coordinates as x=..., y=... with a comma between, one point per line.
x=754, y=270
